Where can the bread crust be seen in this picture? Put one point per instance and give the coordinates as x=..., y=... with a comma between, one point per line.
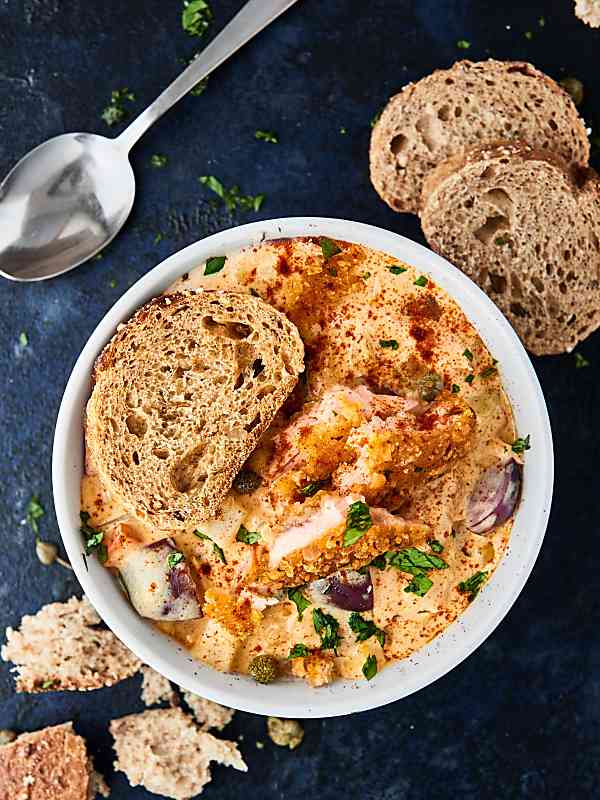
x=181, y=396
x=525, y=226
x=453, y=109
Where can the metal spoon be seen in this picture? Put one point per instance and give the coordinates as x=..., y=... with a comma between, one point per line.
x=68, y=198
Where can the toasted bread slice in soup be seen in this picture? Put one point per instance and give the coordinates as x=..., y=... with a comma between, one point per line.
x=181, y=396
x=526, y=227
x=452, y=109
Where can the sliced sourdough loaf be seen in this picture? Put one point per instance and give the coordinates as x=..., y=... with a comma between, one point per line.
x=526, y=228
x=468, y=104
x=181, y=396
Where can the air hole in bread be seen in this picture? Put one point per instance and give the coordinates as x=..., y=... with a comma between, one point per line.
x=490, y=227
x=468, y=203
x=498, y=283
x=131, y=399
x=552, y=124
x=518, y=310
x=251, y=425
x=239, y=382
x=449, y=81
x=113, y=424
x=500, y=199
x=136, y=458
x=488, y=172
x=515, y=285
x=444, y=113
x=567, y=255
x=537, y=283
x=562, y=287
x=265, y=391
x=257, y=367
x=573, y=317
x=458, y=112
x=187, y=473
x=137, y=425
x=398, y=144
x=228, y=330
x=160, y=452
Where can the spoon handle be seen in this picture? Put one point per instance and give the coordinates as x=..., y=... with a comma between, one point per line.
x=249, y=21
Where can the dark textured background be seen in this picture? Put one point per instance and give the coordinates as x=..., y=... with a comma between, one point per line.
x=521, y=717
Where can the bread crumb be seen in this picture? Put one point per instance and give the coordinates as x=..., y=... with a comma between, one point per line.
x=207, y=713
x=588, y=11
x=156, y=688
x=285, y=732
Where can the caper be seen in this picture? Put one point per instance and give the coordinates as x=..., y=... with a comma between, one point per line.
x=263, y=669
x=246, y=481
x=575, y=88
x=430, y=385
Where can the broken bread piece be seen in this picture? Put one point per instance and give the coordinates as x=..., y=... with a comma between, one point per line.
x=526, y=228
x=50, y=764
x=182, y=394
x=452, y=109
x=588, y=11
x=156, y=688
x=166, y=753
x=208, y=713
x=61, y=648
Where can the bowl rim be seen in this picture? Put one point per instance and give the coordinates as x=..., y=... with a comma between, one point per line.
x=446, y=650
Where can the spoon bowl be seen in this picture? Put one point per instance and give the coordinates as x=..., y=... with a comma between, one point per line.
x=62, y=203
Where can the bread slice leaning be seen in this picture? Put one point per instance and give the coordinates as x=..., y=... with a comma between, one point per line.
x=469, y=104
x=181, y=396
x=526, y=228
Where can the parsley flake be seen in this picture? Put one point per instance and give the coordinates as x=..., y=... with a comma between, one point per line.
x=266, y=136
x=358, y=522
x=369, y=668
x=489, y=371
x=232, y=197
x=93, y=538
x=455, y=388
x=375, y=118
x=196, y=17
x=159, y=161
x=502, y=239
x=392, y=344
x=218, y=551
x=463, y=44
x=529, y=35
x=214, y=264
x=33, y=511
x=470, y=378
x=580, y=361
x=329, y=248
x=328, y=629
x=115, y=111
x=472, y=585
x=520, y=445
x=175, y=558
x=246, y=536
x=468, y=354
x=312, y=488
x=298, y=651
x=365, y=628
x=397, y=270
x=436, y=547
x=380, y=561
x=301, y=603
x=24, y=339
x=199, y=88
x=421, y=281
x=418, y=564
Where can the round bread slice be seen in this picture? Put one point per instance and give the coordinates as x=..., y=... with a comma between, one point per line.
x=469, y=104
x=526, y=228
x=181, y=396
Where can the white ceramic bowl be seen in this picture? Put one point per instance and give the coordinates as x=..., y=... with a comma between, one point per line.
x=440, y=655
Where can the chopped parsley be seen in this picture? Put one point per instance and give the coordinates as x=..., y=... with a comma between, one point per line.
x=298, y=651
x=328, y=629
x=33, y=511
x=418, y=564
x=472, y=585
x=343, y=131
x=436, y=547
x=365, y=628
x=542, y=22
x=397, y=270
x=529, y=35
x=391, y=343
x=266, y=136
x=520, y=445
x=463, y=44
x=369, y=668
x=246, y=536
x=214, y=264
x=380, y=561
x=468, y=354
x=159, y=161
x=112, y=283
x=580, y=361
x=232, y=197
x=195, y=17
x=312, y=488
x=218, y=551
x=199, y=88
x=49, y=684
x=455, y=388
x=158, y=238
x=358, y=522
x=489, y=371
x=375, y=118
x=502, y=239
x=329, y=248
x=365, y=276
x=470, y=378
x=301, y=603
x=421, y=281
x=115, y=111
x=24, y=340
x=175, y=558
x=93, y=538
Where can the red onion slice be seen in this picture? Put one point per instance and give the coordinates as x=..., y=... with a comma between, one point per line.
x=494, y=497
x=350, y=590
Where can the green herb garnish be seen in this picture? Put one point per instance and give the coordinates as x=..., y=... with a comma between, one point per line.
x=329, y=248
x=301, y=603
x=529, y=35
x=93, y=538
x=463, y=44
x=246, y=536
x=488, y=372
x=174, y=558
x=365, y=628
x=33, y=511
x=520, y=445
x=159, y=161
x=49, y=684
x=199, y=88
x=195, y=17
x=158, y=238
x=312, y=488
x=24, y=339
x=580, y=361
x=298, y=651
x=365, y=276
x=455, y=388
x=266, y=136
x=115, y=111
x=343, y=131
x=418, y=564
x=472, y=585
x=218, y=551
x=369, y=668
x=391, y=343
x=468, y=354
x=358, y=522
x=470, y=378
x=380, y=561
x=421, y=281
x=214, y=264
x=436, y=547
x=328, y=629
x=375, y=118
x=112, y=283
x=502, y=239
x=232, y=197
x=396, y=270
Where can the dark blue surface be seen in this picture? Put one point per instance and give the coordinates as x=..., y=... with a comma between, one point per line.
x=521, y=717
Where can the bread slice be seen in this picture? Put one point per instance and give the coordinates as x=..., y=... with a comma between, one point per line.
x=526, y=228
x=469, y=104
x=588, y=11
x=181, y=396
x=208, y=713
x=51, y=764
x=156, y=688
x=166, y=753
x=60, y=648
